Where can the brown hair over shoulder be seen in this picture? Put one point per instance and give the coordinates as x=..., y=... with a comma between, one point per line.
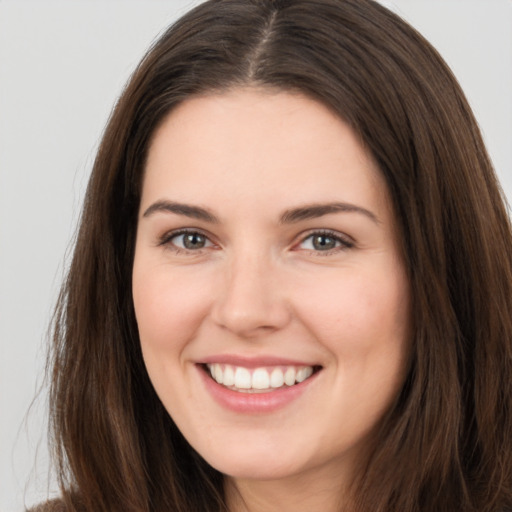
x=446, y=443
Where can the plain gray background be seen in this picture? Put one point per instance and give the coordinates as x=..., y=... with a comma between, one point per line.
x=62, y=65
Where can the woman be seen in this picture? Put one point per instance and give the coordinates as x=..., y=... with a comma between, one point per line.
x=291, y=285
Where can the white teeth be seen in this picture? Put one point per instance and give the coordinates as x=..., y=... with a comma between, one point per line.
x=260, y=379
x=229, y=376
x=289, y=377
x=218, y=374
x=243, y=379
x=303, y=374
x=276, y=378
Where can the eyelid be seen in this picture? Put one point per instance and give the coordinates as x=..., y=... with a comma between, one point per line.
x=345, y=241
x=165, y=240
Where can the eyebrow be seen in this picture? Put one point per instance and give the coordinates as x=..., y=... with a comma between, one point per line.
x=318, y=210
x=194, y=212
x=290, y=216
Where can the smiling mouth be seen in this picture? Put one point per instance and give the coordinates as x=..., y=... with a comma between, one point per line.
x=259, y=380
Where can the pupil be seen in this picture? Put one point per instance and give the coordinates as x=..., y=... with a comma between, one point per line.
x=193, y=241
x=323, y=243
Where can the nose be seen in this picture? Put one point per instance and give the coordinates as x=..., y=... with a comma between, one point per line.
x=251, y=301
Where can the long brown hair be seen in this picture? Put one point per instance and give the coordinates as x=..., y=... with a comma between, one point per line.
x=446, y=443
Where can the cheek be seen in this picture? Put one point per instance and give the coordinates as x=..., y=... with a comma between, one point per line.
x=358, y=313
x=357, y=304
x=169, y=310
x=169, y=307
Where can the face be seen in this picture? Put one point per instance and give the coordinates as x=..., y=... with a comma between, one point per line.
x=270, y=294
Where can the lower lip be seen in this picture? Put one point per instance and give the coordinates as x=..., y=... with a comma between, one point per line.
x=254, y=403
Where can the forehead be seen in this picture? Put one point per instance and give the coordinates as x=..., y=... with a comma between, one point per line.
x=253, y=143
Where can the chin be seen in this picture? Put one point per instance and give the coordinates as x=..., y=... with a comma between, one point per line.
x=252, y=461
x=266, y=470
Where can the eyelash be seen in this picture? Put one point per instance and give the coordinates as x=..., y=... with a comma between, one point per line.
x=166, y=240
x=343, y=243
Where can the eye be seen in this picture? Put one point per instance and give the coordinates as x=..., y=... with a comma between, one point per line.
x=187, y=240
x=325, y=241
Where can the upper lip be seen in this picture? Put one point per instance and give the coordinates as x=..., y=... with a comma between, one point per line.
x=254, y=361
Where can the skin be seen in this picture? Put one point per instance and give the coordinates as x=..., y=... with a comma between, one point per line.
x=259, y=286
